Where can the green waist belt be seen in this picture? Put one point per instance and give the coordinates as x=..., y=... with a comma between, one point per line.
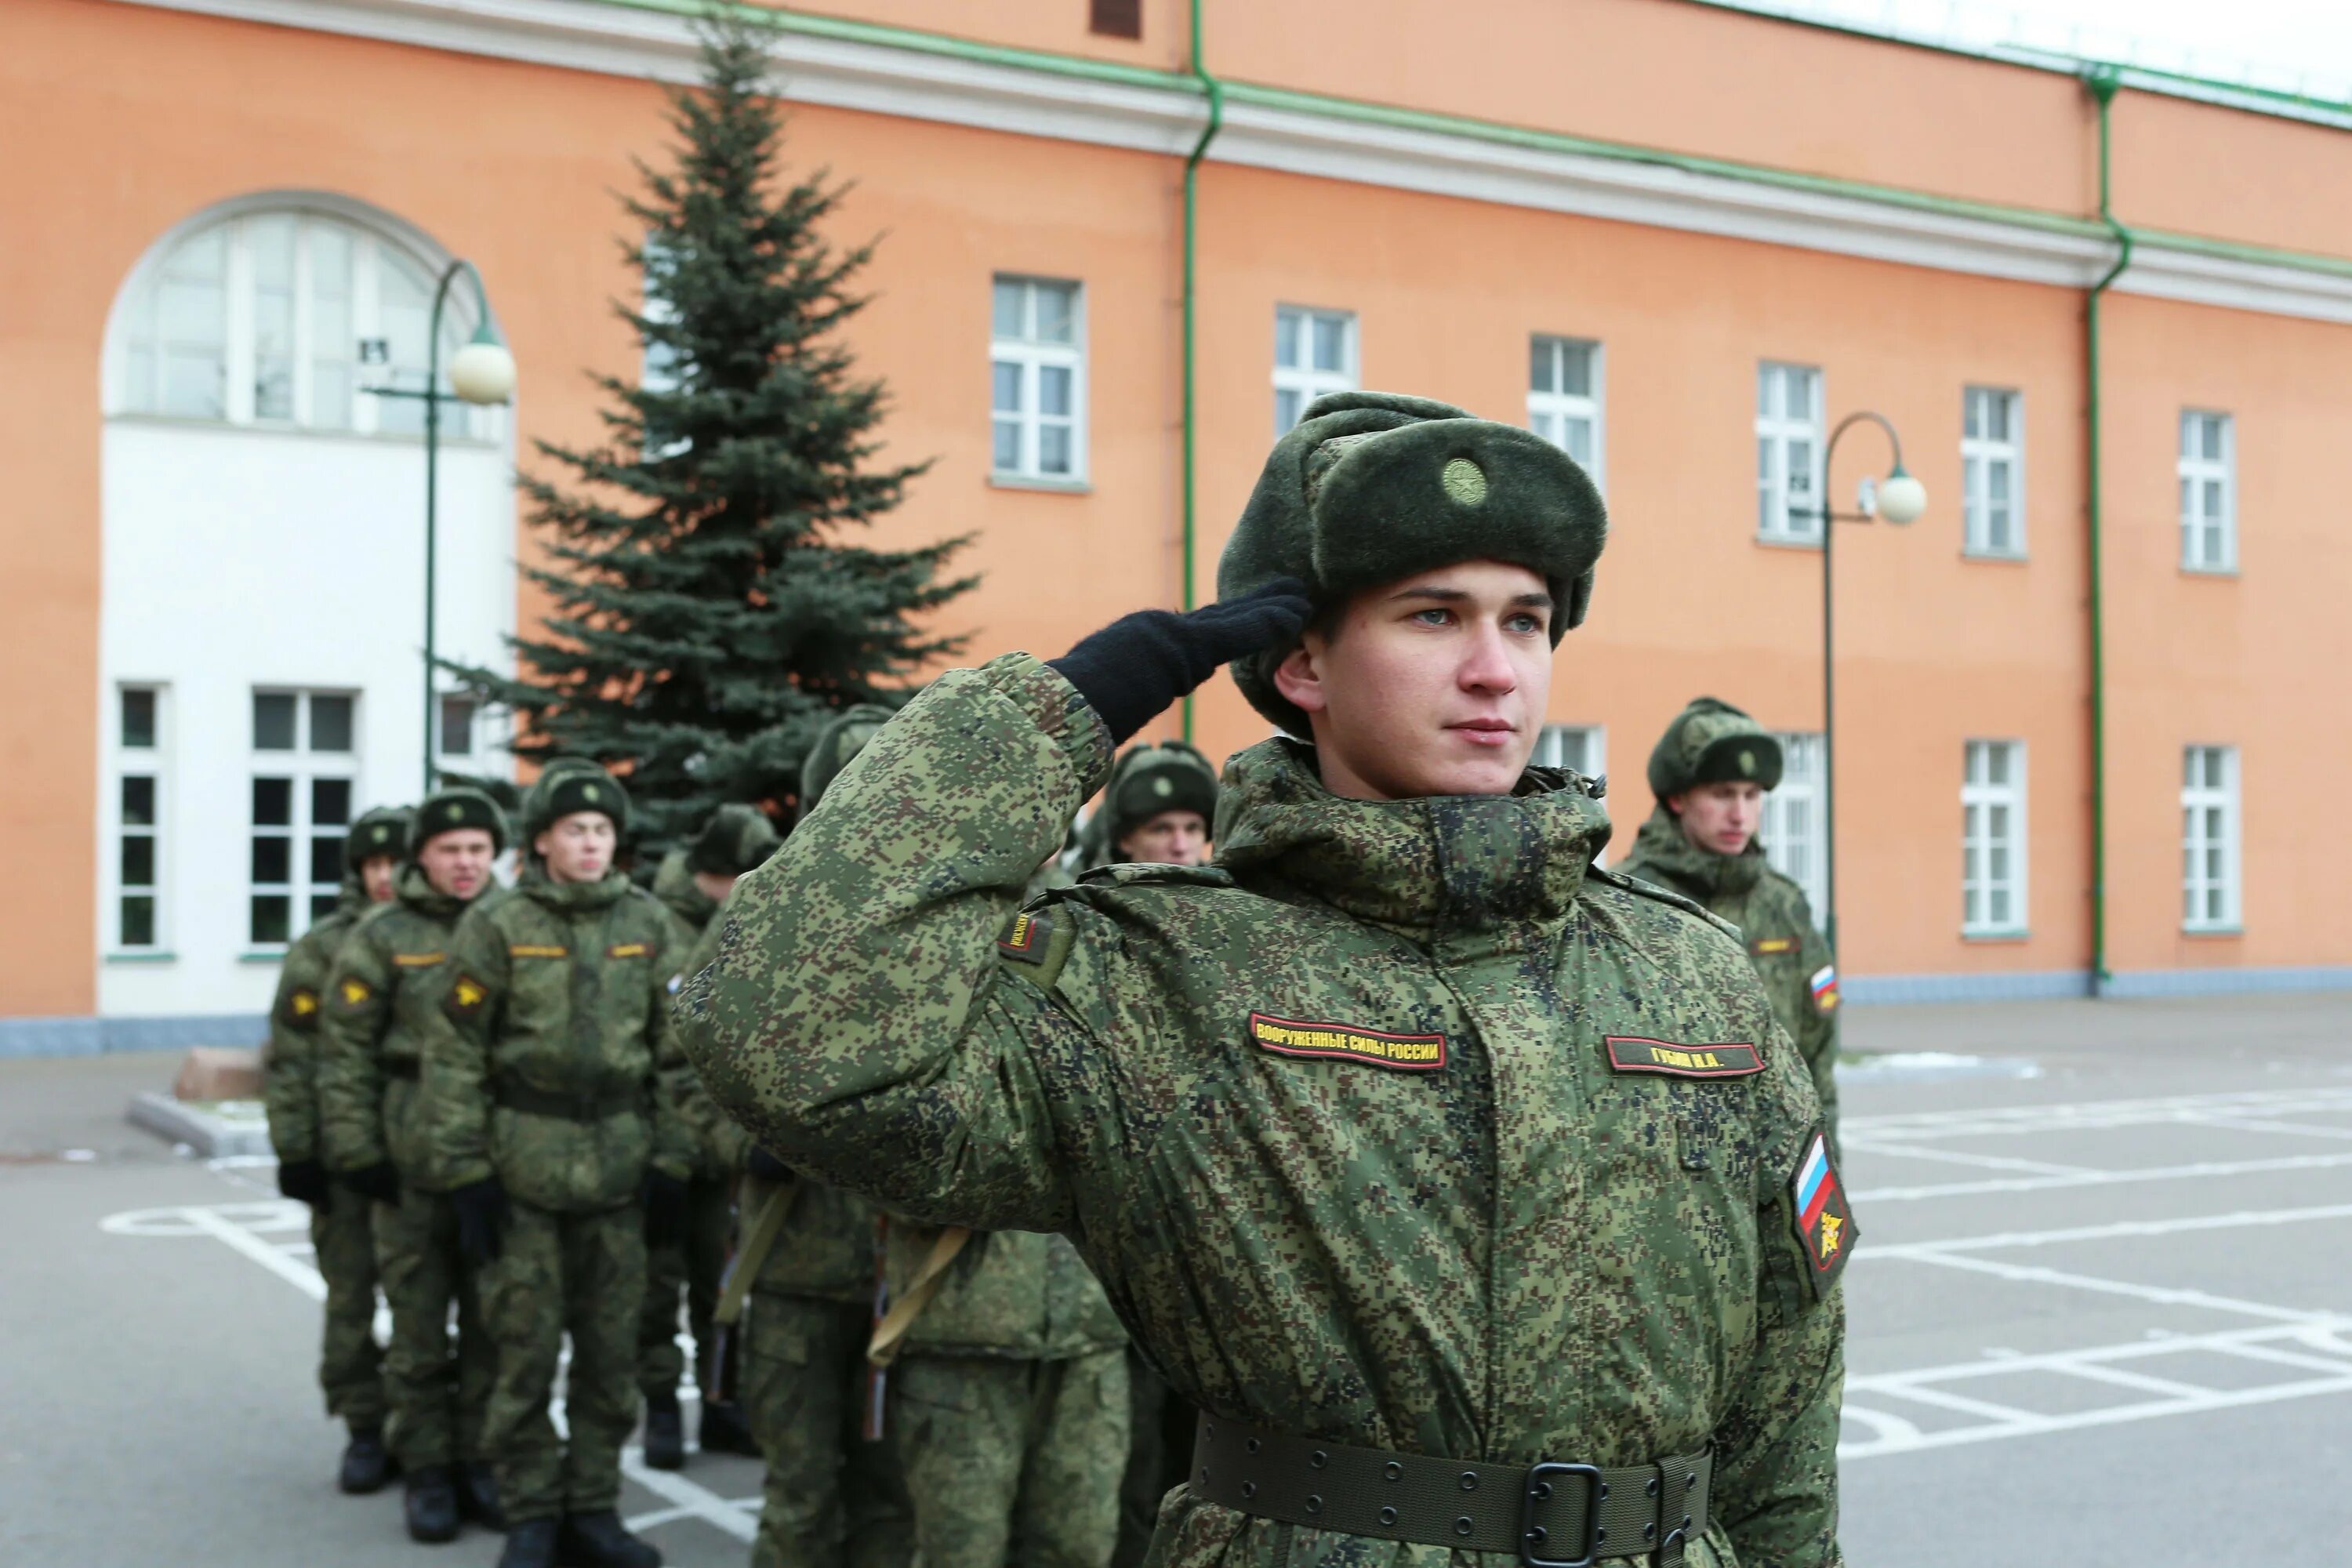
x=1550, y=1515
x=589, y=1106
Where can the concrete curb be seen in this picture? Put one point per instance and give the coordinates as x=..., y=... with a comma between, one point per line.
x=211, y=1128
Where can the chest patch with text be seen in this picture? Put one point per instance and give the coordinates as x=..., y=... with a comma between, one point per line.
x=1346, y=1042
x=1631, y=1053
x=1765, y=946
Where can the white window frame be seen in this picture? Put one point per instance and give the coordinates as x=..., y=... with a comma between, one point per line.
x=127, y=761
x=1799, y=797
x=1030, y=357
x=371, y=254
x=1982, y=455
x=2206, y=841
x=2196, y=472
x=1305, y=379
x=304, y=768
x=1580, y=748
x=1981, y=798
x=1550, y=410
x=1779, y=507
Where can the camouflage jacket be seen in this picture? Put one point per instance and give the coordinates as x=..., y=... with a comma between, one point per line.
x=1361, y=1127
x=674, y=885
x=559, y=992
x=383, y=1002
x=290, y=1084
x=1792, y=960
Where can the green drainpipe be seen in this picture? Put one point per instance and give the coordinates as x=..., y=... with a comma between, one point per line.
x=1216, y=94
x=2101, y=82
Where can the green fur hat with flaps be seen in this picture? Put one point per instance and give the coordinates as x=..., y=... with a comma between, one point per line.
x=1168, y=775
x=1711, y=742
x=843, y=736
x=737, y=839
x=382, y=831
x=569, y=786
x=449, y=809
x=1370, y=486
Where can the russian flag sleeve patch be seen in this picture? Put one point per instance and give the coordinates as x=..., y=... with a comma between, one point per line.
x=1823, y=1220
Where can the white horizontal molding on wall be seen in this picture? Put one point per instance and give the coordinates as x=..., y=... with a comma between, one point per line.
x=919, y=84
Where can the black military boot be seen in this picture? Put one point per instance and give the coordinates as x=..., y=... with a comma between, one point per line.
x=477, y=1496
x=664, y=1433
x=601, y=1541
x=367, y=1464
x=431, y=1505
x=531, y=1544
x=724, y=1430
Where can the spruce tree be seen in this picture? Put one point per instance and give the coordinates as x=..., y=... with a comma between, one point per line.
x=712, y=606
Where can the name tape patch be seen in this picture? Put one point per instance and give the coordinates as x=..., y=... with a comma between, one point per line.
x=417, y=960
x=1764, y=946
x=1817, y=1205
x=1346, y=1042
x=627, y=950
x=1631, y=1053
x=538, y=950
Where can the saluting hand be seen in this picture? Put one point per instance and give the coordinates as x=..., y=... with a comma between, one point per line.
x=1134, y=667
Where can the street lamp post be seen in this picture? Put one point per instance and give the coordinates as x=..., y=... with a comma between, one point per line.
x=1900, y=499
x=482, y=373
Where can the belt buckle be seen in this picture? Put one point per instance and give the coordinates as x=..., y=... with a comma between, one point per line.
x=1529, y=1497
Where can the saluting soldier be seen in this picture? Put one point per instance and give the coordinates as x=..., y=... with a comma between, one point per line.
x=343, y=1235
x=382, y=1001
x=551, y=1105
x=1472, y=1193
x=1710, y=774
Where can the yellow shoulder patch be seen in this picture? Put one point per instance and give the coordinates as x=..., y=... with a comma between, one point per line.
x=467, y=997
x=304, y=1001
x=356, y=991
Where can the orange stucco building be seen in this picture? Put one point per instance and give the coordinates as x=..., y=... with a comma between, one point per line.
x=1615, y=219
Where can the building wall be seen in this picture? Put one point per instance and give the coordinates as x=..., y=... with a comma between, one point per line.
x=514, y=164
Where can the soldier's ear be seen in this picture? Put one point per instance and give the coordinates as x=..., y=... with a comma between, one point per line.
x=1299, y=676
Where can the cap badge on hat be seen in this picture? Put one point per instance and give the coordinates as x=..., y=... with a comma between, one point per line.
x=588, y=792
x=453, y=810
x=1162, y=788
x=1464, y=481
x=1747, y=762
x=382, y=832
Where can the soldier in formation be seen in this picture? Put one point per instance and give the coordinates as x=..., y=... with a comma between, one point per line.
x=1472, y=1193
x=342, y=1234
x=692, y=882
x=552, y=1112
x=382, y=1006
x=1709, y=774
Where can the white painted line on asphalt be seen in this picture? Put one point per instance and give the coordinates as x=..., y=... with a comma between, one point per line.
x=2091, y=1115
x=276, y=1259
x=1945, y=1400
x=2247, y=1124
x=1890, y=1428
x=2114, y=1415
x=2122, y=1379
x=700, y=1503
x=1848, y=1143
x=2087, y=1178
x=2160, y=1295
x=2241, y=1220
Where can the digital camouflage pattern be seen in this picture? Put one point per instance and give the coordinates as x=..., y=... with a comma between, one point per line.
x=674, y=885
x=1461, y=1233
x=351, y=1363
x=829, y=1500
x=1013, y=1461
x=382, y=1001
x=1776, y=923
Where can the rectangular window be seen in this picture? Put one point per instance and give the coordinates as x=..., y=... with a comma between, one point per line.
x=1580, y=748
x=2209, y=492
x=303, y=766
x=1037, y=368
x=1788, y=452
x=1314, y=353
x=137, y=897
x=1992, y=837
x=457, y=730
x=1564, y=397
x=2209, y=839
x=1992, y=463
x=1115, y=19
x=1791, y=828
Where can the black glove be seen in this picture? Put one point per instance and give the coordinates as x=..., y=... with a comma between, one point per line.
x=380, y=1182
x=766, y=1166
x=1134, y=667
x=665, y=1200
x=482, y=1217
x=305, y=1181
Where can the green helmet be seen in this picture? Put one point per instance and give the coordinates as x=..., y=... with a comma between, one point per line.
x=1710, y=741
x=843, y=736
x=737, y=839
x=447, y=810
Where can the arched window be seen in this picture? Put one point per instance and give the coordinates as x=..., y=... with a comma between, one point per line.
x=281, y=317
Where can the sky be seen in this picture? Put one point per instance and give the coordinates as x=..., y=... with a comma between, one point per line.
x=2295, y=46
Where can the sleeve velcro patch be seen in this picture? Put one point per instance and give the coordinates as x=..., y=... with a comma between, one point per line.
x=467, y=997
x=417, y=960
x=1346, y=1042
x=1818, y=1208
x=1765, y=946
x=1631, y=1053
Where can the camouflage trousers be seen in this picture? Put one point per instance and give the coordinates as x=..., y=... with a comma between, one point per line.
x=438, y=1391
x=581, y=1274
x=1159, y=1448
x=351, y=1365
x=831, y=1499
x=1013, y=1461
x=692, y=1265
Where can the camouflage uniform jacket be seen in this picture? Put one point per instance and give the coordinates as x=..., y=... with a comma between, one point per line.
x=383, y=1002
x=1792, y=960
x=674, y=885
x=559, y=991
x=290, y=1077
x=691, y=911
x=1334, y=1121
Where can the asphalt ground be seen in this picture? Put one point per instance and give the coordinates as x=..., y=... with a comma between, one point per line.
x=2101, y=1311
